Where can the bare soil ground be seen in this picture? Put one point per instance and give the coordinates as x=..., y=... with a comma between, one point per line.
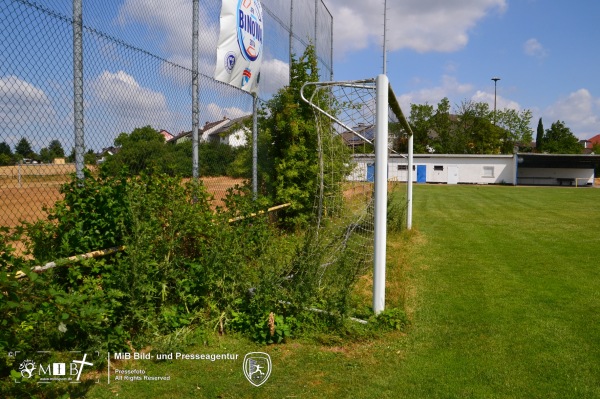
x=25, y=201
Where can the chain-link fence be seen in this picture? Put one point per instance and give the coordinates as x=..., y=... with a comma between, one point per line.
x=136, y=79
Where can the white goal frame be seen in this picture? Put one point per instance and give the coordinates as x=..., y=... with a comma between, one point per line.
x=385, y=101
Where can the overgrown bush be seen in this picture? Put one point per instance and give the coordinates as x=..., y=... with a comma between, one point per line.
x=186, y=266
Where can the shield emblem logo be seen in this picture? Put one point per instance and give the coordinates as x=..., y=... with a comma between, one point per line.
x=257, y=367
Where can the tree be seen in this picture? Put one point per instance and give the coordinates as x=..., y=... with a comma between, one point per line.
x=515, y=130
x=421, y=120
x=5, y=149
x=539, y=137
x=23, y=148
x=56, y=149
x=45, y=156
x=6, y=155
x=89, y=158
x=560, y=140
x=475, y=133
x=292, y=172
x=143, y=149
x=5, y=160
x=442, y=128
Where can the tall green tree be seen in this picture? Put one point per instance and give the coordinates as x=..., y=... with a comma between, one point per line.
x=475, y=132
x=288, y=123
x=5, y=149
x=23, y=148
x=56, y=149
x=421, y=121
x=515, y=130
x=442, y=128
x=539, y=137
x=560, y=140
x=6, y=155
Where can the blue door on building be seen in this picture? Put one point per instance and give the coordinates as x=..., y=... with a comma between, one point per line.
x=421, y=173
x=371, y=172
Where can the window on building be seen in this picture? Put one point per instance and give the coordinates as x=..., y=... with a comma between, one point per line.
x=488, y=171
x=438, y=167
x=402, y=167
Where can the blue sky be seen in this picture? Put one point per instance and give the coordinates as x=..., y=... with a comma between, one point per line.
x=544, y=51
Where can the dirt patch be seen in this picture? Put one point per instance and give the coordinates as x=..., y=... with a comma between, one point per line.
x=25, y=201
x=597, y=182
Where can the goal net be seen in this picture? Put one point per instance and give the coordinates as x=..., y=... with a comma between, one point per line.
x=358, y=124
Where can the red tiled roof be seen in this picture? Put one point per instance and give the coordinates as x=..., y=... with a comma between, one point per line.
x=595, y=139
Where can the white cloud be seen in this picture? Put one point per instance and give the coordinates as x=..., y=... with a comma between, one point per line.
x=274, y=74
x=579, y=110
x=421, y=25
x=173, y=22
x=534, y=48
x=215, y=112
x=122, y=104
x=501, y=102
x=22, y=103
x=450, y=87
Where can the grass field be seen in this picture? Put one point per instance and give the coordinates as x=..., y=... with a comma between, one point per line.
x=503, y=288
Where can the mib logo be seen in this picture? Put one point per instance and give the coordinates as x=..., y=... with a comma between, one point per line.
x=257, y=367
x=46, y=373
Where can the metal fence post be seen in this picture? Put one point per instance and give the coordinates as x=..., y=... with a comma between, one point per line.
x=255, y=146
x=78, y=86
x=195, y=106
x=291, y=34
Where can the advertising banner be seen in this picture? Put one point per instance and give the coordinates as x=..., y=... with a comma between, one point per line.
x=240, y=46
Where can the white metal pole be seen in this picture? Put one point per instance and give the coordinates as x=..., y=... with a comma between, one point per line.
x=409, y=184
x=381, y=166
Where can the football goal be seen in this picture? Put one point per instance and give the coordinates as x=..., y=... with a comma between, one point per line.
x=362, y=120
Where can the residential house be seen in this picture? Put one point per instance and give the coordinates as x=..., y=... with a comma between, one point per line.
x=203, y=132
x=105, y=153
x=168, y=136
x=232, y=133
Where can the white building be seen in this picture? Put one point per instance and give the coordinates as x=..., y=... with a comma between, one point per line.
x=525, y=169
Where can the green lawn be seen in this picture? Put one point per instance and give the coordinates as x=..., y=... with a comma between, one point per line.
x=503, y=288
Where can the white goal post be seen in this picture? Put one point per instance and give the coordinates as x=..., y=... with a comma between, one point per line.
x=376, y=109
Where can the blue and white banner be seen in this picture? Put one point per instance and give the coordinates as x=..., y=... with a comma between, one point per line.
x=240, y=47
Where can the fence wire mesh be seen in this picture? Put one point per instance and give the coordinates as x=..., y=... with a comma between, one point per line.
x=137, y=60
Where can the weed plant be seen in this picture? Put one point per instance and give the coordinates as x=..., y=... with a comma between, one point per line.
x=185, y=267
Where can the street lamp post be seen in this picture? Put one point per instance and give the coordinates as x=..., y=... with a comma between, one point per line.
x=495, y=87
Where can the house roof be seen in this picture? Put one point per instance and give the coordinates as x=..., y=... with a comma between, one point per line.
x=227, y=127
x=207, y=126
x=595, y=139
x=569, y=161
x=168, y=136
